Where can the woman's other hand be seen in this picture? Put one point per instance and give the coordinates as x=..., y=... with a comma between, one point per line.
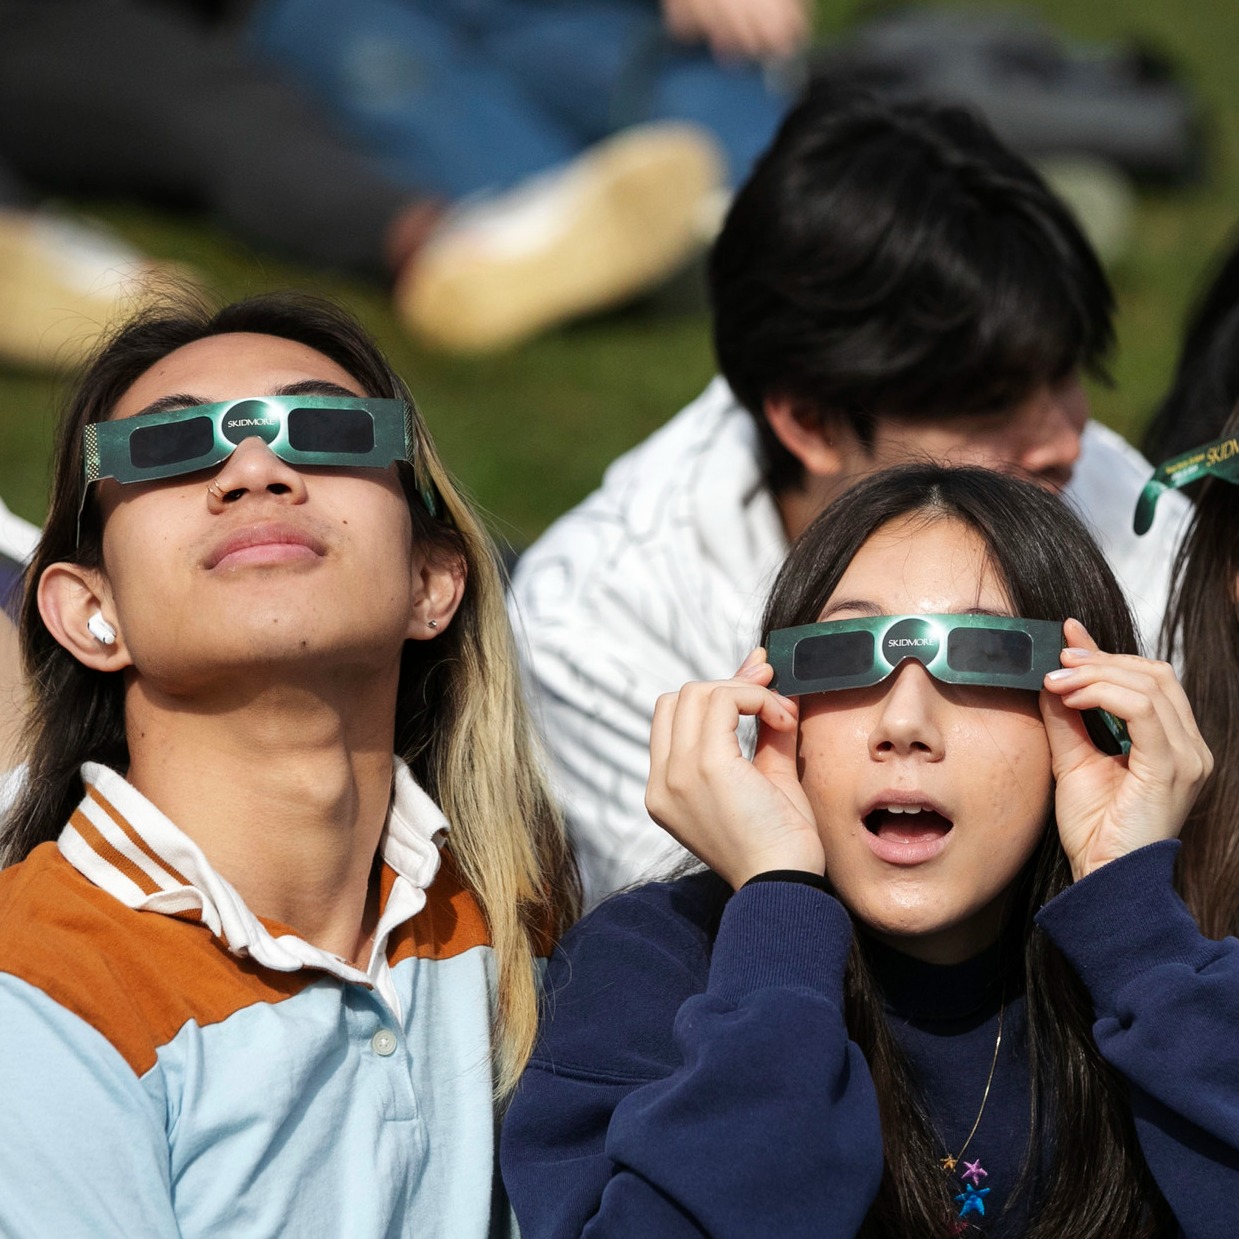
x=740, y=817
x=1109, y=806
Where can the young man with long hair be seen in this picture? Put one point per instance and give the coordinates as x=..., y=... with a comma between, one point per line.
x=258, y=975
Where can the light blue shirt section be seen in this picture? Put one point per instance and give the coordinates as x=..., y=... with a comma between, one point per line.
x=321, y=1115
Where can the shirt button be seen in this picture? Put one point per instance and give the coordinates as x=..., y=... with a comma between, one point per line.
x=383, y=1042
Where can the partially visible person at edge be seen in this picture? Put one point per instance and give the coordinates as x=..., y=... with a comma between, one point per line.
x=1202, y=631
x=936, y=980
x=257, y=975
x=1206, y=377
x=891, y=284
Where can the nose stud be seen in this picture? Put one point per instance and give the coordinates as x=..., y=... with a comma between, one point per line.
x=214, y=491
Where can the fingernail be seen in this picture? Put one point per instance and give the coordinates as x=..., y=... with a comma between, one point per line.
x=1076, y=652
x=1063, y=673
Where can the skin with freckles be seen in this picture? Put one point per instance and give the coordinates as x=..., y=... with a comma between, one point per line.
x=930, y=883
x=922, y=801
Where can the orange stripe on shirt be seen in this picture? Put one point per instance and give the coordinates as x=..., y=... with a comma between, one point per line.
x=132, y=835
x=117, y=859
x=136, y=977
x=450, y=923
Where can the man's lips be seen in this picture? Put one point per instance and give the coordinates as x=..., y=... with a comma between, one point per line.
x=270, y=542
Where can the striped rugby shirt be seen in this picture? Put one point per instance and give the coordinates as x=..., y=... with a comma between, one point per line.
x=170, y=1064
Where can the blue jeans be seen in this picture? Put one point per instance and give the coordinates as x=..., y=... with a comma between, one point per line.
x=456, y=96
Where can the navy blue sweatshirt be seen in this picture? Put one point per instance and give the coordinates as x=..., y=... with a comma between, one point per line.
x=695, y=1077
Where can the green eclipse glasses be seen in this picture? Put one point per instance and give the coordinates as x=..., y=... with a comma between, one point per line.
x=993, y=651
x=1219, y=458
x=349, y=432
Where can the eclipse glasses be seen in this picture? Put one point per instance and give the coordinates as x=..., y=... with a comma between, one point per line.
x=1219, y=459
x=992, y=651
x=348, y=432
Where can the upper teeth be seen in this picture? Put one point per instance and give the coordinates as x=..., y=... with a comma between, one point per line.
x=907, y=808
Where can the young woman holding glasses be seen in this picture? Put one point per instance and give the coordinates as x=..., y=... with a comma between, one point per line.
x=258, y=975
x=936, y=980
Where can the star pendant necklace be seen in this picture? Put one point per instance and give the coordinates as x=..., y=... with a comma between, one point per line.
x=972, y=1198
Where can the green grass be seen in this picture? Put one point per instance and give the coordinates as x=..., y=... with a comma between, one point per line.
x=529, y=431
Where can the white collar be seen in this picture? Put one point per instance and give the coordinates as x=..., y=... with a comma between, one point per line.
x=123, y=844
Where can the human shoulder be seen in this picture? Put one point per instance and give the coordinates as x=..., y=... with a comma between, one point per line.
x=135, y=977
x=679, y=916
x=616, y=982
x=1107, y=481
x=645, y=500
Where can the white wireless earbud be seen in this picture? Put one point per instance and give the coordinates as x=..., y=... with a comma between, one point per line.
x=100, y=629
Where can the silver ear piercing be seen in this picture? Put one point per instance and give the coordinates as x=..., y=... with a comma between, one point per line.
x=432, y=623
x=100, y=629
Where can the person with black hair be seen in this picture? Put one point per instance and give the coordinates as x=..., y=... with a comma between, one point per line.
x=936, y=979
x=891, y=283
x=1206, y=379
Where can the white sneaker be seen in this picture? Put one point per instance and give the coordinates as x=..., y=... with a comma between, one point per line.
x=591, y=234
x=64, y=282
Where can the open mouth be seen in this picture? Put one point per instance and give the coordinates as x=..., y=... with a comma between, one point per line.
x=906, y=823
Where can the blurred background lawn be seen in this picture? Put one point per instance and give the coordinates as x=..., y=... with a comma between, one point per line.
x=529, y=432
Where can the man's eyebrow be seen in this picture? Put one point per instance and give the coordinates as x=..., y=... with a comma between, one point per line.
x=303, y=387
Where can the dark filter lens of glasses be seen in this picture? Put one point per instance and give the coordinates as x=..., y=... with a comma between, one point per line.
x=171, y=443
x=982, y=650
x=833, y=654
x=348, y=431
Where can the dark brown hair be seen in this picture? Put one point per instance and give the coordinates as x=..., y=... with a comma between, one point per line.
x=1096, y=1183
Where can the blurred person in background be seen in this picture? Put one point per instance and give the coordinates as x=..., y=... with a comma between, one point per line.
x=462, y=96
x=157, y=101
x=891, y=283
x=1206, y=380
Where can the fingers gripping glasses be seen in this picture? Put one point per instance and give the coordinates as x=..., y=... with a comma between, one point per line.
x=352, y=432
x=995, y=651
x=1219, y=458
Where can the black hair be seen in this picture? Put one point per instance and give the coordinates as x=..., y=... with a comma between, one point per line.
x=891, y=259
x=1206, y=380
x=1092, y=1179
x=1202, y=629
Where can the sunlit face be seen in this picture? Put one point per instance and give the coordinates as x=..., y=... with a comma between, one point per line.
x=278, y=563
x=1039, y=437
x=929, y=797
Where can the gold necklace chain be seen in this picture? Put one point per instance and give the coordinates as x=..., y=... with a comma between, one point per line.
x=949, y=1163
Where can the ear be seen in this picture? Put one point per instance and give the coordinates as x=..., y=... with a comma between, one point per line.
x=442, y=586
x=69, y=595
x=821, y=444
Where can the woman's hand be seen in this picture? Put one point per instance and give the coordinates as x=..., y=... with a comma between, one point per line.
x=740, y=29
x=1109, y=806
x=740, y=817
